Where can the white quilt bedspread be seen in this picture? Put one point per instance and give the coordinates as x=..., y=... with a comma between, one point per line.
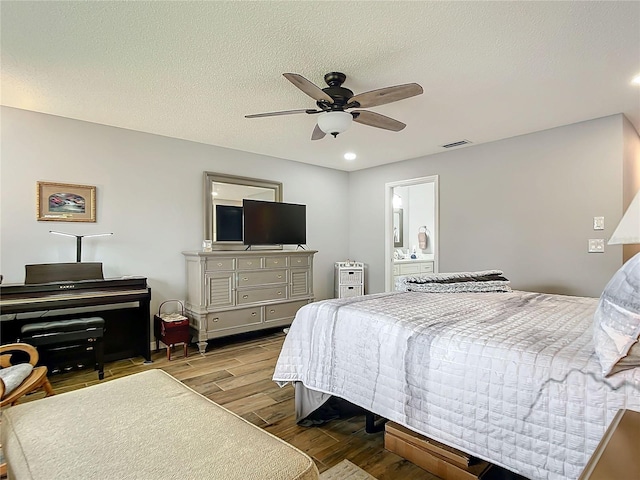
x=508, y=377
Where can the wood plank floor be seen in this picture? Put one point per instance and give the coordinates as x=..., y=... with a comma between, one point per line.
x=236, y=373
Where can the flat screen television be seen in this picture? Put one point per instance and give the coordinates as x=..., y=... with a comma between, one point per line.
x=274, y=223
x=228, y=223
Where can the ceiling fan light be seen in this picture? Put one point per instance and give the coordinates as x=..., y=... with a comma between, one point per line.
x=334, y=122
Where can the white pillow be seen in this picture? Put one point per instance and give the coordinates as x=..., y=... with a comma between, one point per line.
x=14, y=375
x=616, y=325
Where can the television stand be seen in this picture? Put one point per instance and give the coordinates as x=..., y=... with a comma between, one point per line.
x=232, y=292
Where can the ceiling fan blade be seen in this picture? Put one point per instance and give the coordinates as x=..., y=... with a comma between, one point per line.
x=387, y=95
x=376, y=120
x=285, y=112
x=308, y=87
x=317, y=133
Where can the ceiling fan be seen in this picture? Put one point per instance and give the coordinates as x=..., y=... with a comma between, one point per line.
x=332, y=101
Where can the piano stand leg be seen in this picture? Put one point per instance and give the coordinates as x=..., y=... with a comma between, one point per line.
x=99, y=352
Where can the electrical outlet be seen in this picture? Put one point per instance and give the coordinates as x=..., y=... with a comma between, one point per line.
x=598, y=223
x=596, y=245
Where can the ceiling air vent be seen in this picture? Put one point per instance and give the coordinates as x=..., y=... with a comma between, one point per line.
x=456, y=144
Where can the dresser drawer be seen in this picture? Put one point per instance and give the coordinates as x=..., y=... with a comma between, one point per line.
x=299, y=260
x=261, y=295
x=350, y=277
x=426, y=267
x=351, y=291
x=282, y=310
x=264, y=277
x=249, y=263
x=409, y=268
x=275, y=262
x=234, y=318
x=220, y=264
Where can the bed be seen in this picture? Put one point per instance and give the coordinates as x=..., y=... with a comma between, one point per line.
x=510, y=377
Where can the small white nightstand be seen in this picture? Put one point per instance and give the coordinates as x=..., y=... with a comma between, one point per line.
x=348, y=279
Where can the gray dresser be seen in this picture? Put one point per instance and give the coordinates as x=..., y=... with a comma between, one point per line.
x=231, y=292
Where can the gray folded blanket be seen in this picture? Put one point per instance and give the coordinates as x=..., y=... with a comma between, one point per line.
x=456, y=282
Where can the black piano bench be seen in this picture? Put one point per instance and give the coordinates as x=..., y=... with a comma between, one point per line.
x=63, y=341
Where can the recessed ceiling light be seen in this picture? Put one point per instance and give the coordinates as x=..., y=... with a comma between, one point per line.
x=636, y=80
x=350, y=156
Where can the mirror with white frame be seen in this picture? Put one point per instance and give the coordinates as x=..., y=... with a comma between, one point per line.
x=411, y=217
x=223, y=195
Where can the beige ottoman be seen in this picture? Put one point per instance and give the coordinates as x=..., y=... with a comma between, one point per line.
x=144, y=426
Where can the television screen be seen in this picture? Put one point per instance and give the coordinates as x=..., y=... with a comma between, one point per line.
x=274, y=223
x=228, y=223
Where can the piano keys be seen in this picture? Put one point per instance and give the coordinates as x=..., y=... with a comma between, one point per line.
x=123, y=302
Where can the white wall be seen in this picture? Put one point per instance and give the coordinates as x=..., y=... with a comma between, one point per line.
x=149, y=193
x=524, y=205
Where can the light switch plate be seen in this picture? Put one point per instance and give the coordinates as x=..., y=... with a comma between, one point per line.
x=598, y=223
x=596, y=245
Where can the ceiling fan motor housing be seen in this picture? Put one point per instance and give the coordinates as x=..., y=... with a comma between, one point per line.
x=336, y=91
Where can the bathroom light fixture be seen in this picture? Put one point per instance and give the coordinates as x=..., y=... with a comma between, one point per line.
x=636, y=80
x=334, y=122
x=350, y=156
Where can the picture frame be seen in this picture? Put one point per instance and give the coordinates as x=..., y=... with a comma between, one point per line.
x=65, y=202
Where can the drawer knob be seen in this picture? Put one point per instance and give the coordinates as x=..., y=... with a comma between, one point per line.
x=249, y=263
x=245, y=279
x=216, y=319
x=245, y=296
x=279, y=293
x=275, y=262
x=253, y=314
x=272, y=311
x=279, y=276
x=219, y=264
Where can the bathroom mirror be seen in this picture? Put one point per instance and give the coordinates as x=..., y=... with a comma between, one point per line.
x=398, y=240
x=223, y=195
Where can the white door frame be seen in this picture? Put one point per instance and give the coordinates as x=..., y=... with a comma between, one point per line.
x=388, y=225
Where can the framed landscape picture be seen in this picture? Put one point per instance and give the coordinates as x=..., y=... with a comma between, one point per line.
x=63, y=202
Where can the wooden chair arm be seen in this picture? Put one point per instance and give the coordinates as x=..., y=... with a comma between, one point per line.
x=5, y=353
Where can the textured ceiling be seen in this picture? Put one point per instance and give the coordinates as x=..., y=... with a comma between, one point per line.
x=192, y=70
